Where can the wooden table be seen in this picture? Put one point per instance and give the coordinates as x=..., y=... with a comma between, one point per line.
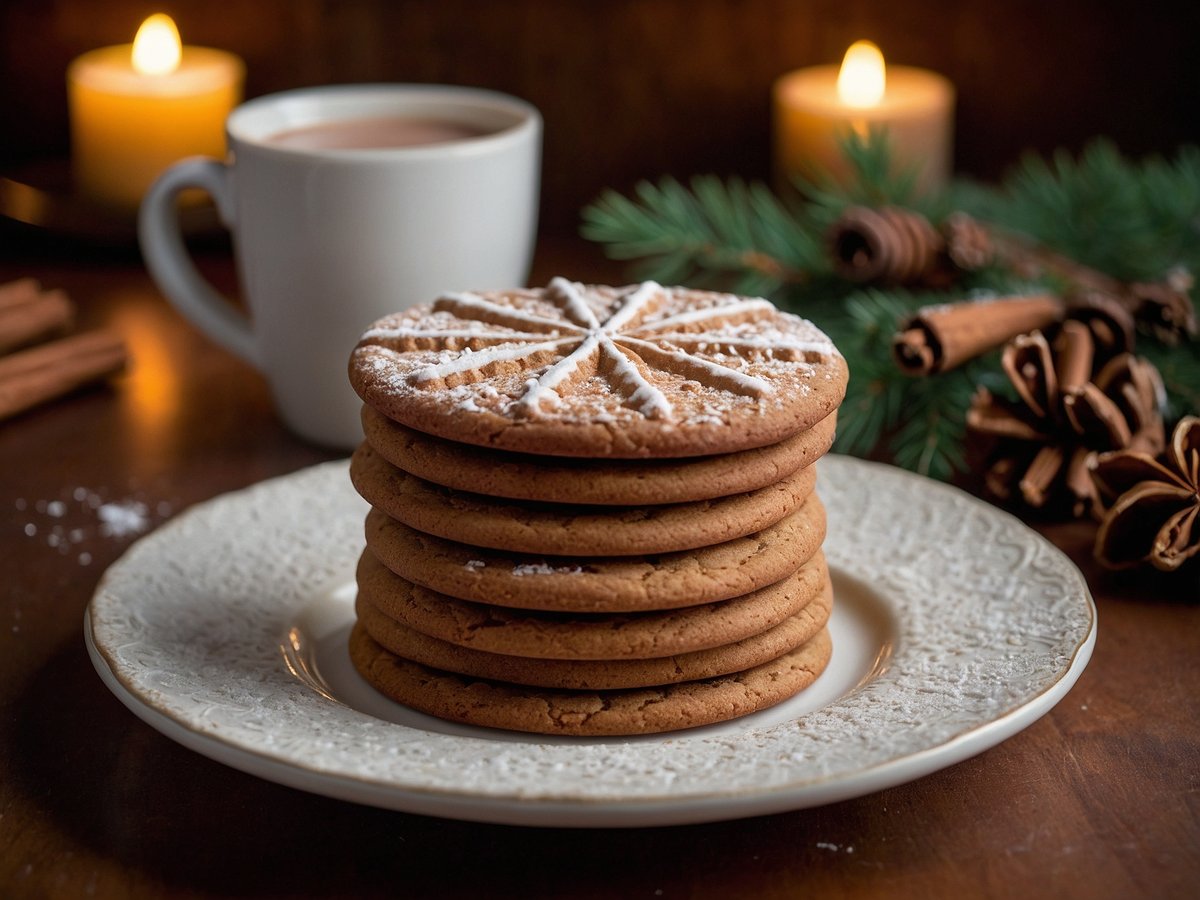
x=1100, y=798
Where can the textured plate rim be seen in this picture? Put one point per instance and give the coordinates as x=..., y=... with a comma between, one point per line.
x=577, y=810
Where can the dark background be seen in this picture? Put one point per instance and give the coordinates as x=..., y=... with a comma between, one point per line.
x=637, y=88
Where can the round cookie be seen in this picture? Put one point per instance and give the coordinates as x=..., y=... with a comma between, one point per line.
x=598, y=371
x=598, y=674
x=600, y=584
x=622, y=482
x=561, y=529
x=495, y=629
x=639, y=711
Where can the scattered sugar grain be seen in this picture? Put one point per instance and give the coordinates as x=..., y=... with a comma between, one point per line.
x=523, y=569
x=122, y=519
x=30, y=529
x=85, y=559
x=21, y=504
x=55, y=509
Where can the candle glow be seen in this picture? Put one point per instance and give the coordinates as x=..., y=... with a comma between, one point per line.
x=137, y=108
x=862, y=79
x=157, y=48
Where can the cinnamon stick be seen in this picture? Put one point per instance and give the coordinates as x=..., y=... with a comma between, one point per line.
x=34, y=376
x=889, y=245
x=28, y=318
x=939, y=338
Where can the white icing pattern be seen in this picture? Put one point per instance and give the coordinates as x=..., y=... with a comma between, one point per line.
x=618, y=348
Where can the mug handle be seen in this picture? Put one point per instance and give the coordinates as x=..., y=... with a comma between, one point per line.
x=172, y=269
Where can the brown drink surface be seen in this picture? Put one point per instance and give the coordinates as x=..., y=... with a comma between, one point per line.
x=374, y=133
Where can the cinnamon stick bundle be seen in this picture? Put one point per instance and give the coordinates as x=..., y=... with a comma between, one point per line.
x=940, y=338
x=28, y=314
x=30, y=377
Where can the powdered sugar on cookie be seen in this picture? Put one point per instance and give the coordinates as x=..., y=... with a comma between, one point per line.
x=591, y=355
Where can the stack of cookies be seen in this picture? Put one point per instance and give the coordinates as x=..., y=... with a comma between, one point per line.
x=593, y=508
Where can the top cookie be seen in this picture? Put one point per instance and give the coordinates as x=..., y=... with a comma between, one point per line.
x=596, y=371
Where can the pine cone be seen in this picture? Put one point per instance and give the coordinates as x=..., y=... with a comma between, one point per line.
x=1155, y=516
x=1066, y=413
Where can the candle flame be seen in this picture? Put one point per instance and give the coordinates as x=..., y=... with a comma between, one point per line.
x=157, y=48
x=863, y=76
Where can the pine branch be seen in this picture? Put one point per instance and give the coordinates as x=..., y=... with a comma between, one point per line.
x=921, y=421
x=1134, y=221
x=735, y=234
x=875, y=394
x=739, y=235
x=931, y=441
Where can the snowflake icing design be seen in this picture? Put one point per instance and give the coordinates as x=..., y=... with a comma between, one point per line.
x=580, y=339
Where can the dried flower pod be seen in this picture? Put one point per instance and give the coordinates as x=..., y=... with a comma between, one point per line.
x=1041, y=445
x=1154, y=515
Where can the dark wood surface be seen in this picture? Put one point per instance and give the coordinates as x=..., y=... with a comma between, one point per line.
x=1097, y=799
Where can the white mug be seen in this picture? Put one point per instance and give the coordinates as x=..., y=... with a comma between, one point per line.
x=328, y=240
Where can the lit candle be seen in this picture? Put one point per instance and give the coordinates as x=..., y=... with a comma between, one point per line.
x=816, y=108
x=136, y=108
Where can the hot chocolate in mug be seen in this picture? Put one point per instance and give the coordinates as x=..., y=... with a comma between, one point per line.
x=347, y=203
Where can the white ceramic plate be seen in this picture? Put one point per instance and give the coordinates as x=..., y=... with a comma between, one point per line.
x=955, y=626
